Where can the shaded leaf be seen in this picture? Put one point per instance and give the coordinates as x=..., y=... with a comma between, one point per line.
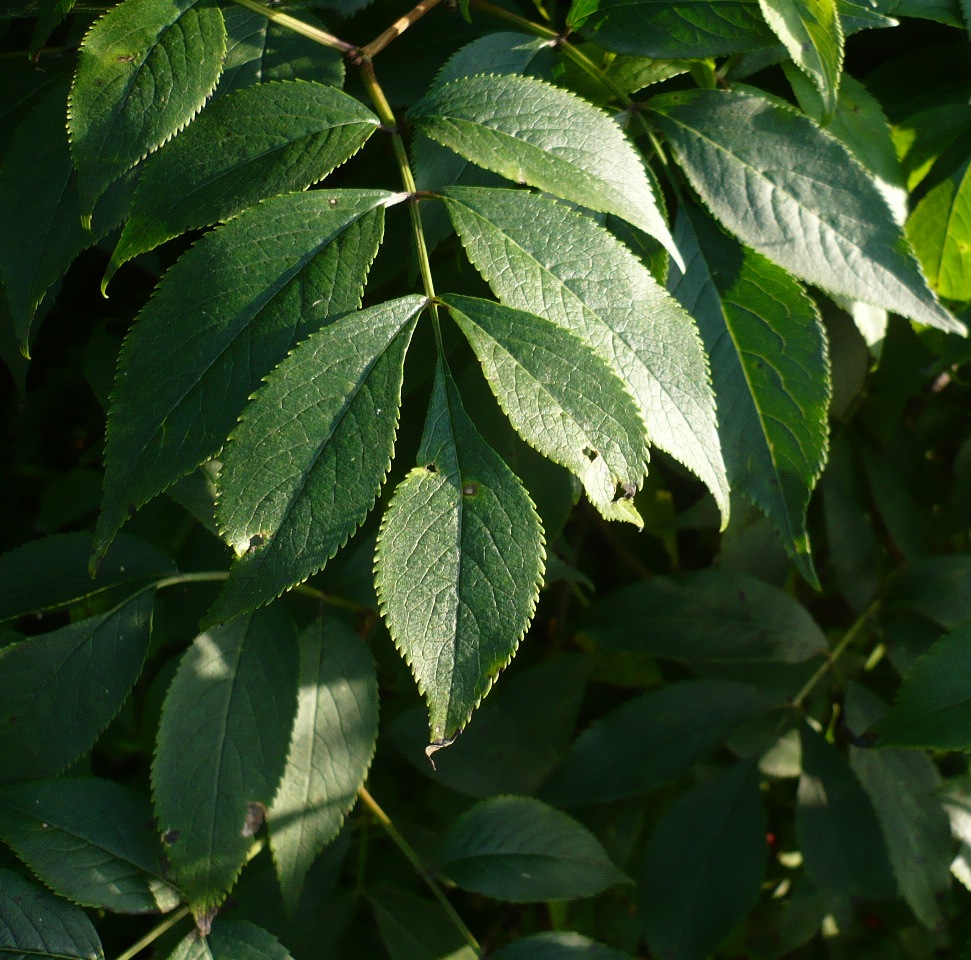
x=903, y=786
x=43, y=730
x=256, y=143
x=558, y=946
x=704, y=617
x=89, y=840
x=770, y=371
x=520, y=733
x=679, y=28
x=839, y=834
x=932, y=708
x=222, y=318
x=521, y=850
x=591, y=284
x=323, y=428
x=676, y=726
x=144, y=71
x=413, y=928
x=36, y=924
x=938, y=588
x=531, y=132
x=459, y=564
x=562, y=398
x=53, y=571
x=231, y=940
x=813, y=36
x=331, y=747
x=704, y=865
x=222, y=747
x=789, y=191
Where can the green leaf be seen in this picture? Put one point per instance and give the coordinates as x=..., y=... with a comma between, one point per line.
x=331, y=747
x=861, y=125
x=590, y=284
x=770, y=369
x=219, y=321
x=256, y=143
x=38, y=925
x=662, y=29
x=89, y=840
x=520, y=733
x=940, y=230
x=53, y=572
x=413, y=928
x=903, y=786
x=323, y=428
x=42, y=729
x=531, y=132
x=676, y=726
x=794, y=194
x=520, y=850
x=558, y=946
x=933, y=706
x=230, y=940
x=144, y=70
x=709, y=616
x=52, y=12
x=459, y=564
x=839, y=834
x=222, y=747
x=704, y=865
x=938, y=588
x=38, y=246
x=563, y=399
x=813, y=35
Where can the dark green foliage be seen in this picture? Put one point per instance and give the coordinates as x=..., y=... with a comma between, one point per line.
x=407, y=308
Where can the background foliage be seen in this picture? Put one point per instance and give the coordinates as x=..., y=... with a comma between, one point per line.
x=622, y=338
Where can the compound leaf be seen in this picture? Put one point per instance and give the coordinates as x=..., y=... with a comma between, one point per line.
x=222, y=318
x=89, y=840
x=770, y=370
x=258, y=142
x=591, y=284
x=36, y=924
x=520, y=850
x=813, y=36
x=144, y=70
x=42, y=731
x=331, y=747
x=459, y=563
x=562, y=398
x=794, y=194
x=704, y=865
x=531, y=132
x=222, y=746
x=305, y=465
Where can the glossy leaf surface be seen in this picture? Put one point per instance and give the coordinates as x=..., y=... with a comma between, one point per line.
x=592, y=285
x=144, y=71
x=323, y=428
x=787, y=190
x=459, y=563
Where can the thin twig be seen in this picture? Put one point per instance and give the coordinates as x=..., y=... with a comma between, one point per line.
x=397, y=28
x=154, y=934
x=298, y=26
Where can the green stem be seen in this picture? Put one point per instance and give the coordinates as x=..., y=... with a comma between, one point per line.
x=298, y=26
x=154, y=934
x=409, y=851
x=397, y=28
x=858, y=626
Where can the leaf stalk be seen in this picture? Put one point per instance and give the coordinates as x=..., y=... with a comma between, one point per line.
x=397, y=28
x=298, y=26
x=420, y=868
x=154, y=934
